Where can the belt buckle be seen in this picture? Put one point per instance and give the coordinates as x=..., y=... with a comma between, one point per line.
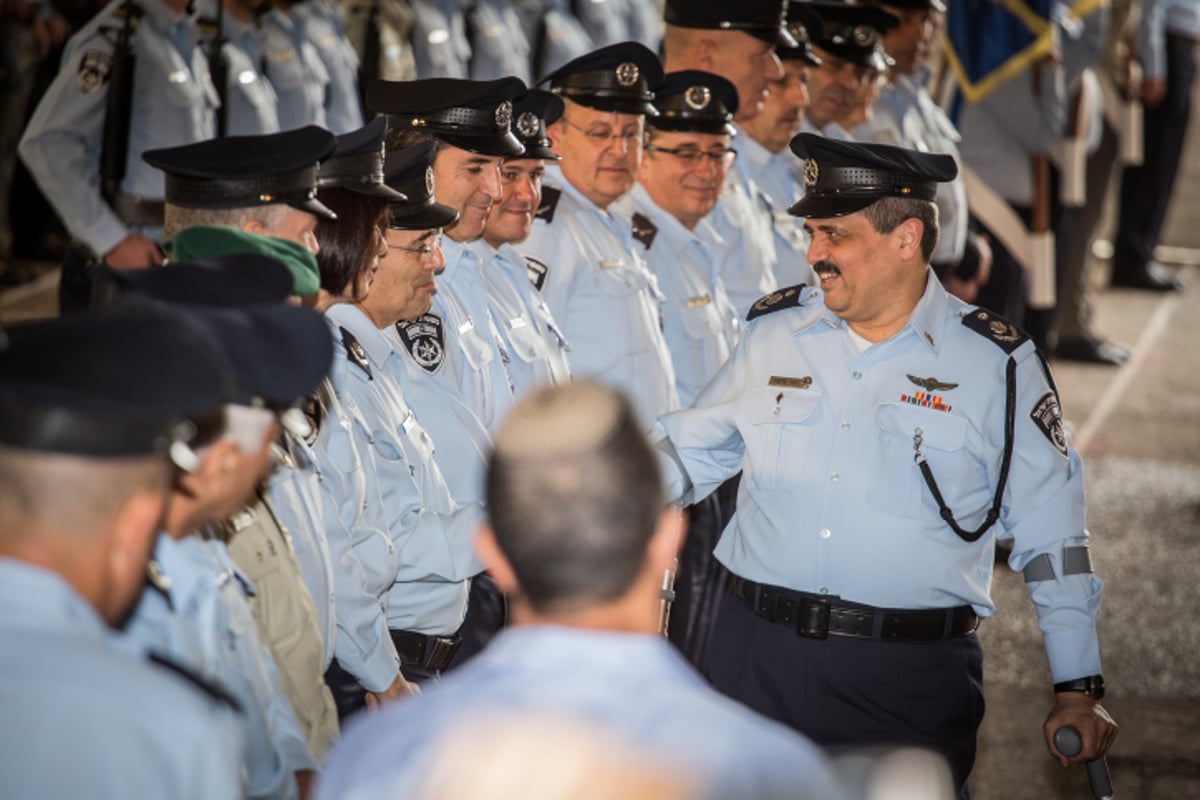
x=813, y=618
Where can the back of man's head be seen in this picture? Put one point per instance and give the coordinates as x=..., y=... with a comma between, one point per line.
x=574, y=494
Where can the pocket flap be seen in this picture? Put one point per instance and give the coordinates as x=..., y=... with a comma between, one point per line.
x=939, y=429
x=771, y=405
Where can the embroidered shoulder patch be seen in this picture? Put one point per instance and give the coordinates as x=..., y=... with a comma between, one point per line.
x=644, y=230
x=776, y=301
x=355, y=352
x=425, y=340
x=995, y=327
x=538, y=271
x=550, y=197
x=1047, y=416
x=94, y=69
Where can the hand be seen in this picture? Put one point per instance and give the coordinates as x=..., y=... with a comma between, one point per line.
x=1153, y=91
x=1096, y=728
x=399, y=688
x=304, y=783
x=134, y=252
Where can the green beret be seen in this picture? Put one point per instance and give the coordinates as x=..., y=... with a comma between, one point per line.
x=203, y=241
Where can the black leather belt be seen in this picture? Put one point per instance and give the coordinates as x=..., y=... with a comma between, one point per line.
x=432, y=653
x=817, y=617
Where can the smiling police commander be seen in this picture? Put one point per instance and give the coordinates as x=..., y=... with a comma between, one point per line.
x=887, y=434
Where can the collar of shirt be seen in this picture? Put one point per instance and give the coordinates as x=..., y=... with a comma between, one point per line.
x=376, y=345
x=752, y=156
x=185, y=564
x=461, y=261
x=927, y=320
x=33, y=598
x=576, y=198
x=672, y=234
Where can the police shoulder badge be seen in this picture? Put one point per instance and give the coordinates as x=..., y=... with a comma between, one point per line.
x=425, y=340
x=550, y=197
x=538, y=272
x=644, y=230
x=95, y=66
x=776, y=301
x=355, y=352
x=1047, y=416
x=992, y=326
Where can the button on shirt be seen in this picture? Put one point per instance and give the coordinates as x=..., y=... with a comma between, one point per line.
x=75, y=705
x=173, y=104
x=633, y=687
x=831, y=499
x=699, y=322
x=606, y=300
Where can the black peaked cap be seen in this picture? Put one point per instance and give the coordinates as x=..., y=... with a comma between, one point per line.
x=844, y=177
x=247, y=171
x=238, y=279
x=763, y=19
x=916, y=5
x=532, y=112
x=410, y=170
x=697, y=101
x=357, y=163
x=108, y=383
x=472, y=115
x=620, y=78
x=804, y=24
x=855, y=33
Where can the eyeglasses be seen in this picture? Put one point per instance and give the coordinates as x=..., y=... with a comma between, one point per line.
x=692, y=156
x=425, y=251
x=604, y=138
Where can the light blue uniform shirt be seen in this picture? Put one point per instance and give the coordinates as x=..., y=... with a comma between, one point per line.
x=537, y=352
x=1160, y=17
x=607, y=302
x=499, y=47
x=565, y=39
x=204, y=623
x=322, y=27
x=431, y=534
x=634, y=688
x=173, y=104
x=82, y=718
x=831, y=500
x=699, y=322
x=439, y=39
x=295, y=70
x=775, y=176
x=742, y=219
x=252, y=107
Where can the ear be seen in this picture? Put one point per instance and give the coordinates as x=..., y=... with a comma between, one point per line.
x=254, y=226
x=495, y=562
x=554, y=133
x=667, y=540
x=131, y=541
x=908, y=238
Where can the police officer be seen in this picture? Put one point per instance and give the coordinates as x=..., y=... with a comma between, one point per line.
x=440, y=45
x=738, y=43
x=763, y=148
x=321, y=23
x=887, y=435
x=535, y=343
x=249, y=104
x=111, y=202
x=499, y=46
x=853, y=61
x=598, y=287
x=95, y=403
x=294, y=68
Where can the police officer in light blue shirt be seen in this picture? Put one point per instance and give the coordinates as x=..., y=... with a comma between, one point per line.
x=887, y=435
x=687, y=152
x=499, y=47
x=250, y=105
x=294, y=68
x=95, y=403
x=322, y=26
x=598, y=286
x=440, y=45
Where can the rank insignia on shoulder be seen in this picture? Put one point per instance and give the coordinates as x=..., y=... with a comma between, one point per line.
x=644, y=230
x=992, y=326
x=932, y=384
x=538, y=271
x=777, y=301
x=1047, y=415
x=550, y=198
x=94, y=69
x=791, y=383
x=355, y=352
x=425, y=340
x=210, y=688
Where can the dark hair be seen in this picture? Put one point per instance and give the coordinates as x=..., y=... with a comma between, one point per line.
x=347, y=242
x=888, y=212
x=575, y=525
x=400, y=138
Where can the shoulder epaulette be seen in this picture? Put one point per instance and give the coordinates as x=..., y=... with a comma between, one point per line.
x=209, y=688
x=355, y=351
x=989, y=325
x=644, y=230
x=538, y=271
x=550, y=198
x=777, y=301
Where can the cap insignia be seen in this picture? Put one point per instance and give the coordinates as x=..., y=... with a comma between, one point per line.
x=527, y=125
x=429, y=180
x=799, y=33
x=811, y=172
x=504, y=115
x=697, y=97
x=628, y=74
x=865, y=36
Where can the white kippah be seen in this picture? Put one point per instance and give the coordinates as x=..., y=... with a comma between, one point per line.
x=561, y=421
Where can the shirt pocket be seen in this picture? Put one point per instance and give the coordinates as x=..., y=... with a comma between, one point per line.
x=780, y=436
x=526, y=343
x=899, y=487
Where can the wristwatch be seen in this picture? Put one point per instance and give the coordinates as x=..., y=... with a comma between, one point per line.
x=1092, y=686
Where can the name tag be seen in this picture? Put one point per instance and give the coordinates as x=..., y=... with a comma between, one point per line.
x=702, y=300
x=611, y=263
x=791, y=383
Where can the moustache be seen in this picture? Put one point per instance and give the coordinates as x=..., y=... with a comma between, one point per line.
x=826, y=269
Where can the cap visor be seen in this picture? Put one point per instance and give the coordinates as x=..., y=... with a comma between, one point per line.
x=380, y=190
x=505, y=145
x=540, y=152
x=421, y=218
x=316, y=207
x=618, y=105
x=818, y=207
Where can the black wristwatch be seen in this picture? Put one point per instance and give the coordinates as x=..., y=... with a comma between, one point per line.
x=1092, y=686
